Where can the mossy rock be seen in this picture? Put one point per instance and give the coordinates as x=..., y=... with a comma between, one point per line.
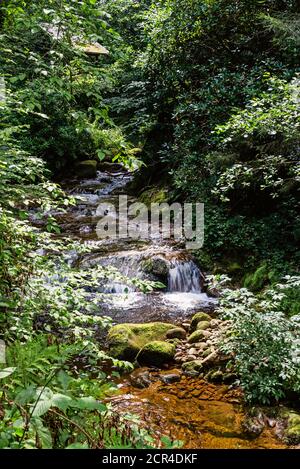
x=192, y=368
x=154, y=195
x=126, y=340
x=203, y=325
x=156, y=353
x=157, y=266
x=198, y=317
x=292, y=433
x=197, y=336
x=86, y=169
x=176, y=333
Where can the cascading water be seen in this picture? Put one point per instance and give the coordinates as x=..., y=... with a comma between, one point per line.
x=185, y=277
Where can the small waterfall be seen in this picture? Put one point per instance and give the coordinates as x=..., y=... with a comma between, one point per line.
x=184, y=276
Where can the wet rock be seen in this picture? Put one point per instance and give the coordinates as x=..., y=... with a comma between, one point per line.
x=156, y=353
x=202, y=325
x=198, y=317
x=171, y=378
x=87, y=168
x=140, y=380
x=197, y=336
x=157, y=266
x=176, y=333
x=192, y=368
x=126, y=340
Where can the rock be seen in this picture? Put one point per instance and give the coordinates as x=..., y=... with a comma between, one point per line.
x=206, y=352
x=215, y=376
x=126, y=340
x=202, y=325
x=171, y=378
x=158, y=266
x=200, y=345
x=214, y=323
x=140, y=380
x=253, y=427
x=192, y=368
x=87, y=168
x=154, y=195
x=229, y=378
x=156, y=353
x=292, y=433
x=192, y=351
x=197, y=336
x=186, y=325
x=176, y=333
x=108, y=167
x=212, y=359
x=197, y=318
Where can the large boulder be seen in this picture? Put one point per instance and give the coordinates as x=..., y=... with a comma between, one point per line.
x=126, y=340
x=199, y=317
x=156, y=353
x=157, y=266
x=86, y=169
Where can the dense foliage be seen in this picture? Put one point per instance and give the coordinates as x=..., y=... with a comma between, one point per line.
x=263, y=341
x=214, y=98
x=207, y=93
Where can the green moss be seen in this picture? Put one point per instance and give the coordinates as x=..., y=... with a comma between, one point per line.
x=198, y=317
x=202, y=325
x=196, y=336
x=192, y=368
x=156, y=266
x=126, y=340
x=156, y=353
x=154, y=195
x=292, y=433
x=86, y=168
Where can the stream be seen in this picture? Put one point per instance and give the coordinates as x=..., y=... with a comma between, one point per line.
x=189, y=409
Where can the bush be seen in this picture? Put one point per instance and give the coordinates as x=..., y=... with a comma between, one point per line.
x=263, y=341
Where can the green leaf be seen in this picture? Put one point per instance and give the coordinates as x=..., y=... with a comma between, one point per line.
x=89, y=403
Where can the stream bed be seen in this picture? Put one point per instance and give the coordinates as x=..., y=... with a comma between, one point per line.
x=192, y=410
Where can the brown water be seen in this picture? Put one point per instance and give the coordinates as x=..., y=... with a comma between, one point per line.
x=200, y=414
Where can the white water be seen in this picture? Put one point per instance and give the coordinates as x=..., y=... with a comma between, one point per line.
x=184, y=277
x=183, y=294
